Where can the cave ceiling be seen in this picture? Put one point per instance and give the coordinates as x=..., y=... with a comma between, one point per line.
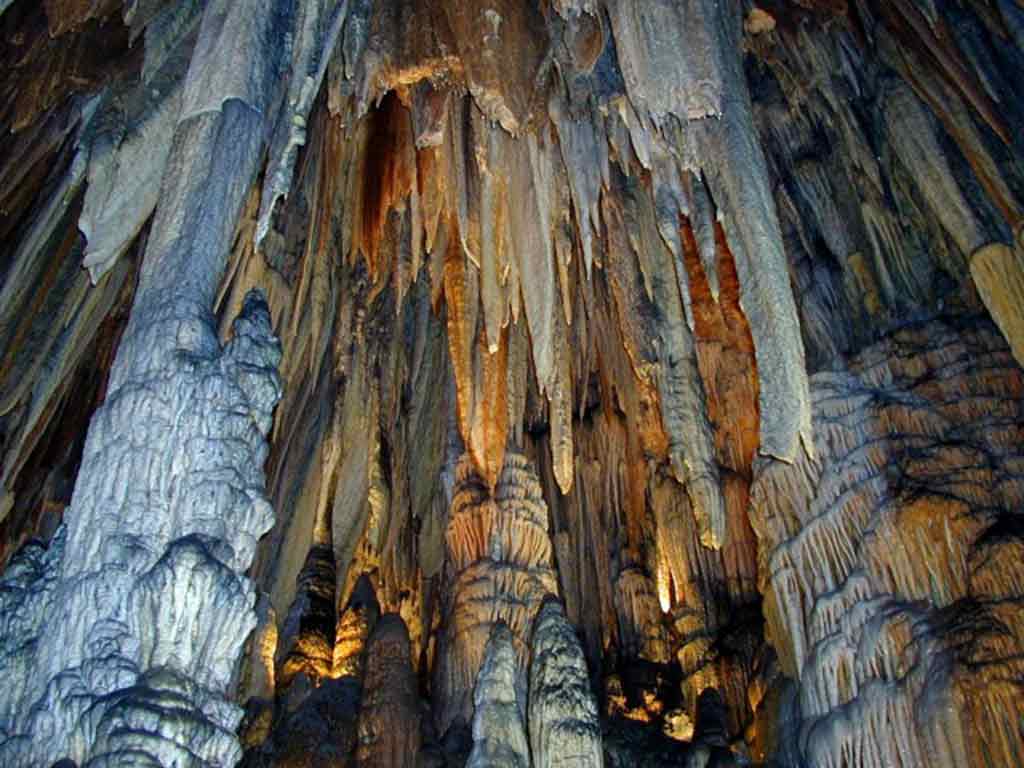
x=552, y=383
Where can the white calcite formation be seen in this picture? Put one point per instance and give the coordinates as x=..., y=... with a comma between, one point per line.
x=499, y=736
x=129, y=650
x=127, y=156
x=563, y=723
x=133, y=641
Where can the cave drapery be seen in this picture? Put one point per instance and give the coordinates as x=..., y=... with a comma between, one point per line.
x=511, y=383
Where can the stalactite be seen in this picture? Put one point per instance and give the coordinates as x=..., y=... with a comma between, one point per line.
x=318, y=26
x=997, y=273
x=126, y=162
x=644, y=387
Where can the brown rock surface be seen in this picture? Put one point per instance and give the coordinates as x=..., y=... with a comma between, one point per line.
x=389, y=716
x=499, y=557
x=649, y=385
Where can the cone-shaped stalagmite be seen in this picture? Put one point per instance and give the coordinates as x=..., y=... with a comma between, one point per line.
x=499, y=552
x=389, y=720
x=499, y=737
x=564, y=729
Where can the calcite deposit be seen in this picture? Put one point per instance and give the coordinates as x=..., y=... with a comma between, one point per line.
x=542, y=383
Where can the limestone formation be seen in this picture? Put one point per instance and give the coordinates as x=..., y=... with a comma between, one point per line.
x=499, y=737
x=389, y=727
x=499, y=555
x=134, y=641
x=584, y=382
x=564, y=727
x=355, y=626
x=999, y=277
x=873, y=571
x=306, y=640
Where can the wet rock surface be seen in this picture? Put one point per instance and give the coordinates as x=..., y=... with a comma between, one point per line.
x=577, y=383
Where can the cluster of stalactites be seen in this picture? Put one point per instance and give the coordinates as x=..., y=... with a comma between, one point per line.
x=510, y=149
x=515, y=152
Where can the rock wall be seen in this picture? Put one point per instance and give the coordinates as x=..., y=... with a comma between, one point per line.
x=648, y=387
x=879, y=560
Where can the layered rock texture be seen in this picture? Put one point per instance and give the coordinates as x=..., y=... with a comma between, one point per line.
x=551, y=383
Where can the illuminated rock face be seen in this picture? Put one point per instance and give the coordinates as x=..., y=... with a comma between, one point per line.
x=648, y=389
x=889, y=591
x=499, y=554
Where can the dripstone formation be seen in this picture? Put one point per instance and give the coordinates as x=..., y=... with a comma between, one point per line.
x=542, y=383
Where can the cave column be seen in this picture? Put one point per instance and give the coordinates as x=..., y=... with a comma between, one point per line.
x=141, y=605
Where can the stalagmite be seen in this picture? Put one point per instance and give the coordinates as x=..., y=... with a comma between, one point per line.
x=355, y=626
x=499, y=738
x=499, y=556
x=863, y=612
x=563, y=723
x=306, y=640
x=168, y=588
x=389, y=729
x=149, y=607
